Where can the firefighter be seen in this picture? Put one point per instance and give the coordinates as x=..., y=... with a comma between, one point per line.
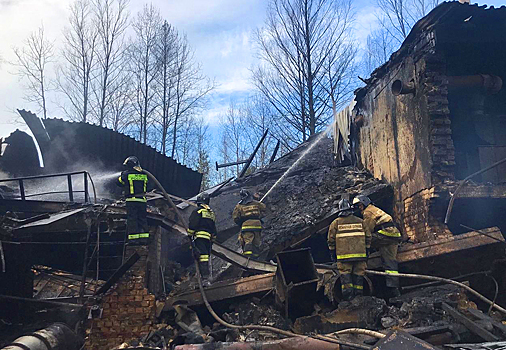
x=134, y=183
x=385, y=239
x=349, y=241
x=202, y=228
x=248, y=213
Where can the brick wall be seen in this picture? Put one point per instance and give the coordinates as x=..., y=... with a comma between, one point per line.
x=128, y=308
x=423, y=217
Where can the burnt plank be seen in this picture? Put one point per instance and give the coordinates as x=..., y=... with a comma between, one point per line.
x=472, y=326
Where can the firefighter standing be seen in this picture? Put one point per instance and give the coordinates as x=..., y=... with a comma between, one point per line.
x=134, y=183
x=202, y=228
x=385, y=238
x=248, y=214
x=349, y=241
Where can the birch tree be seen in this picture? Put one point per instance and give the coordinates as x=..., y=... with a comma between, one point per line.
x=75, y=74
x=111, y=21
x=296, y=45
x=32, y=61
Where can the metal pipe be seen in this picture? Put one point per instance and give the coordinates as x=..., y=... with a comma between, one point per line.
x=462, y=183
x=41, y=176
x=401, y=88
x=55, y=336
x=86, y=194
x=224, y=165
x=71, y=194
x=283, y=344
x=250, y=159
x=22, y=189
x=491, y=83
x=273, y=157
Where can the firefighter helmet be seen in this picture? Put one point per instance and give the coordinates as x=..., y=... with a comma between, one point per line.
x=345, y=207
x=203, y=198
x=244, y=193
x=131, y=162
x=361, y=199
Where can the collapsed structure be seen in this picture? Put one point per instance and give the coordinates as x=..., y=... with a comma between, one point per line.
x=410, y=126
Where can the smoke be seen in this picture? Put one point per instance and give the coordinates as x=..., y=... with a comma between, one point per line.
x=57, y=188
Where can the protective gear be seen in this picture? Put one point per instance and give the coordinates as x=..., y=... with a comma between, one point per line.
x=345, y=208
x=349, y=238
x=246, y=197
x=134, y=185
x=248, y=215
x=333, y=256
x=385, y=238
x=132, y=162
x=202, y=228
x=346, y=286
x=203, y=198
x=361, y=199
x=353, y=281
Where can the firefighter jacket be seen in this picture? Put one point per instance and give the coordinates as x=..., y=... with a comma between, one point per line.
x=249, y=215
x=349, y=237
x=380, y=222
x=135, y=184
x=202, y=222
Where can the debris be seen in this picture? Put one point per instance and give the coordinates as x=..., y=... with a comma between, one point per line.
x=399, y=340
x=284, y=344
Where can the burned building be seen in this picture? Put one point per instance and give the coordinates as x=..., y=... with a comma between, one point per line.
x=433, y=115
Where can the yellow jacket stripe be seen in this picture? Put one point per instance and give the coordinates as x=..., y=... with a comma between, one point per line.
x=138, y=235
x=202, y=234
x=135, y=199
x=351, y=256
x=390, y=234
x=121, y=181
x=250, y=227
x=392, y=271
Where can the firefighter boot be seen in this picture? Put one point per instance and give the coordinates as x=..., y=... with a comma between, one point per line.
x=204, y=273
x=347, y=286
x=358, y=285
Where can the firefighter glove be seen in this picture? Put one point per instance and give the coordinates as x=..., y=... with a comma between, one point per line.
x=333, y=256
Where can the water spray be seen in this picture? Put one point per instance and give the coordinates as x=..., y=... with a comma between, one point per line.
x=309, y=148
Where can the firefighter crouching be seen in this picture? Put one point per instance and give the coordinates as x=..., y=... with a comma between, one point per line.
x=385, y=238
x=134, y=183
x=349, y=242
x=202, y=228
x=248, y=214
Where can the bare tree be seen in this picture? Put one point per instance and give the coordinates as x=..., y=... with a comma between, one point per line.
x=234, y=129
x=144, y=66
x=165, y=58
x=379, y=47
x=397, y=17
x=31, y=63
x=111, y=21
x=190, y=86
x=74, y=75
x=299, y=40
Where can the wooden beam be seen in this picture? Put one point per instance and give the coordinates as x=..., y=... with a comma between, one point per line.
x=224, y=290
x=473, y=327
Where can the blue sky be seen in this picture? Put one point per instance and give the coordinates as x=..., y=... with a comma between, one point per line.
x=220, y=32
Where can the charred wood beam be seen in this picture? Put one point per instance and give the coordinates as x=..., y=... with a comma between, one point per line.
x=472, y=326
x=273, y=157
x=118, y=274
x=225, y=290
x=40, y=302
x=224, y=165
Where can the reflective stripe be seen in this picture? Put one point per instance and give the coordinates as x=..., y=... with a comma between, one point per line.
x=346, y=286
x=395, y=234
x=190, y=231
x=207, y=214
x=248, y=252
x=204, y=258
x=202, y=234
x=136, y=177
x=356, y=286
x=344, y=227
x=350, y=234
x=138, y=235
x=251, y=227
x=392, y=271
x=135, y=199
x=121, y=180
x=349, y=256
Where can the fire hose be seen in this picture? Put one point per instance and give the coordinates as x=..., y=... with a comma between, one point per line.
x=440, y=279
x=252, y=327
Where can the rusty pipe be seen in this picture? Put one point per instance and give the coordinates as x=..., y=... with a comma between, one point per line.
x=492, y=84
x=401, y=88
x=55, y=336
x=283, y=344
